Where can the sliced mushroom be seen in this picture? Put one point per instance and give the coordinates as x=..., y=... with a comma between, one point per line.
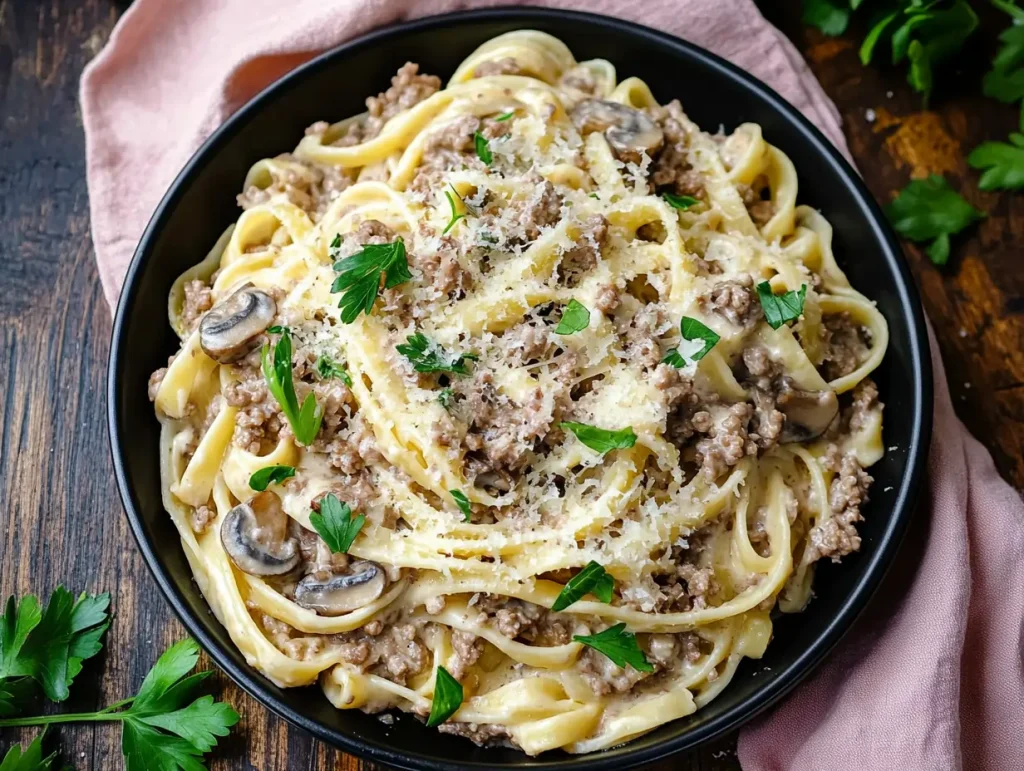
x=255, y=537
x=233, y=326
x=332, y=593
x=808, y=413
x=629, y=132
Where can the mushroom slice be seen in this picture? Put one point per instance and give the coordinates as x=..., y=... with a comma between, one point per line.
x=254, y=535
x=233, y=326
x=629, y=132
x=808, y=413
x=331, y=593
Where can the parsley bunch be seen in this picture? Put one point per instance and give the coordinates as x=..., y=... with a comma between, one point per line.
x=359, y=276
x=166, y=726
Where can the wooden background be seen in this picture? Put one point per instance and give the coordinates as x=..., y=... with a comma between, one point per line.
x=60, y=517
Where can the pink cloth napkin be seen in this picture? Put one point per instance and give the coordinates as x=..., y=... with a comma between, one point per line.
x=931, y=678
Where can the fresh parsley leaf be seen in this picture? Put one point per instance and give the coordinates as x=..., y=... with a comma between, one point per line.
x=504, y=116
x=335, y=524
x=1003, y=163
x=681, y=202
x=575, y=318
x=430, y=357
x=780, y=308
x=595, y=196
x=483, y=148
x=328, y=370
x=29, y=759
x=445, y=397
x=462, y=502
x=456, y=215
x=930, y=210
x=270, y=475
x=15, y=693
x=359, y=275
x=593, y=580
x=447, y=698
x=692, y=330
x=618, y=645
x=601, y=440
x=200, y=723
x=1005, y=81
x=277, y=329
x=277, y=371
x=830, y=16
x=147, y=749
x=157, y=692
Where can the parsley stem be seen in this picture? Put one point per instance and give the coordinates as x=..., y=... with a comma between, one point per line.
x=80, y=717
x=117, y=705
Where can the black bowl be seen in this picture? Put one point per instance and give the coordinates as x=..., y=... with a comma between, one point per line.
x=201, y=203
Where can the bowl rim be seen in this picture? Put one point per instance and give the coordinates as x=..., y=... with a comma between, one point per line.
x=249, y=680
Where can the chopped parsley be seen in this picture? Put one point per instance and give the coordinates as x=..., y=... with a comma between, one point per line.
x=427, y=356
x=277, y=370
x=593, y=580
x=575, y=318
x=335, y=524
x=359, y=275
x=504, y=116
x=328, y=370
x=271, y=475
x=681, y=202
x=483, y=148
x=446, y=397
x=447, y=698
x=599, y=439
x=462, y=502
x=930, y=210
x=692, y=330
x=277, y=329
x=618, y=645
x=780, y=308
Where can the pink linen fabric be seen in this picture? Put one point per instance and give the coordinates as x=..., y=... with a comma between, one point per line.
x=931, y=677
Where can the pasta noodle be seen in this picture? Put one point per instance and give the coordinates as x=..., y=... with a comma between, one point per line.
x=598, y=343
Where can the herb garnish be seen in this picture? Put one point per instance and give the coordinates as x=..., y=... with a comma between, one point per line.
x=335, y=524
x=430, y=357
x=618, y=645
x=504, y=116
x=930, y=210
x=327, y=369
x=1005, y=81
x=599, y=439
x=462, y=502
x=447, y=698
x=780, y=308
x=29, y=759
x=359, y=275
x=592, y=579
x=445, y=397
x=271, y=475
x=277, y=371
x=575, y=318
x=456, y=215
x=1003, y=163
x=692, y=330
x=681, y=202
x=277, y=329
x=483, y=148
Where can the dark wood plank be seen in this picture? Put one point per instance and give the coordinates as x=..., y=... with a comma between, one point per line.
x=60, y=519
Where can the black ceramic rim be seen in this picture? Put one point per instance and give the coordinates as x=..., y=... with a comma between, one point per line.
x=846, y=613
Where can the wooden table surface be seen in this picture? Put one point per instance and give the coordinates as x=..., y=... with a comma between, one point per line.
x=60, y=517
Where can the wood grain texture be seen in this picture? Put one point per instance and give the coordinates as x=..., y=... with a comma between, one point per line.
x=60, y=518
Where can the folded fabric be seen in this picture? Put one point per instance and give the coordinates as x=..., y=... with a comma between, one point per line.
x=931, y=677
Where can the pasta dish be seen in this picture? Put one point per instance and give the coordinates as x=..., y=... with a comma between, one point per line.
x=523, y=404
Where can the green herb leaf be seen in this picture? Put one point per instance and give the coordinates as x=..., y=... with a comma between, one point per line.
x=618, y=645
x=277, y=329
x=447, y=698
x=504, y=116
x=682, y=202
x=1003, y=163
x=270, y=475
x=483, y=148
x=445, y=397
x=147, y=749
x=830, y=16
x=456, y=216
x=1005, y=81
x=328, y=370
x=200, y=723
x=780, y=308
x=359, y=276
x=277, y=371
x=602, y=440
x=929, y=209
x=593, y=580
x=462, y=502
x=335, y=524
x=427, y=356
x=29, y=759
x=14, y=694
x=595, y=196
x=692, y=330
x=575, y=318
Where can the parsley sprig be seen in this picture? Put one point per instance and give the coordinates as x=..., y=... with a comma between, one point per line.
x=447, y=698
x=601, y=439
x=327, y=369
x=270, y=475
x=483, y=148
x=1003, y=163
x=277, y=371
x=618, y=645
x=29, y=759
x=359, y=275
x=336, y=524
x=427, y=356
x=782, y=308
x=591, y=580
x=930, y=210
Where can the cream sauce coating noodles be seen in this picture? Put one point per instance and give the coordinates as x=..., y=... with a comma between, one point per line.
x=530, y=181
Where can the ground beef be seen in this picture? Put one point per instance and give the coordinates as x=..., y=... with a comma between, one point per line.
x=408, y=88
x=357, y=490
x=733, y=299
x=259, y=420
x=727, y=441
x=542, y=209
x=837, y=536
x=518, y=619
x=639, y=337
x=527, y=343
x=604, y=676
x=503, y=66
x=846, y=346
x=442, y=269
x=607, y=299
x=468, y=649
x=155, y=380
x=200, y=518
x=312, y=187
x=198, y=300
x=759, y=209
x=580, y=79
x=671, y=170
x=395, y=652
x=865, y=404
x=481, y=734
x=585, y=253
x=287, y=639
